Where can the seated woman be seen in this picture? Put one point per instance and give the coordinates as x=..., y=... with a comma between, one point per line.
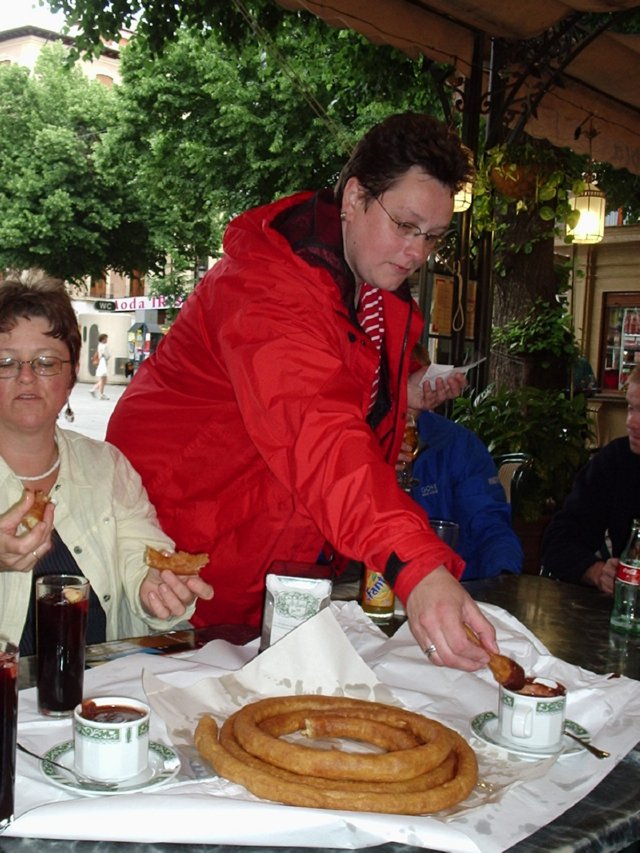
x=457, y=480
x=102, y=515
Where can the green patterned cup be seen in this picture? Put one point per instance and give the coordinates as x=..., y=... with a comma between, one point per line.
x=111, y=738
x=534, y=717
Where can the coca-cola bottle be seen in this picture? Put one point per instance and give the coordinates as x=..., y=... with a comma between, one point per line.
x=625, y=616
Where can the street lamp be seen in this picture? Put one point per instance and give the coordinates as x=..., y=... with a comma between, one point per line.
x=591, y=204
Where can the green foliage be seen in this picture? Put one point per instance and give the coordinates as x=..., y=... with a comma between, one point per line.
x=211, y=128
x=60, y=211
x=551, y=428
x=175, y=282
x=546, y=329
x=513, y=178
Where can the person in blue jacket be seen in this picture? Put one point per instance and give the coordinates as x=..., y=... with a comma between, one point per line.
x=457, y=480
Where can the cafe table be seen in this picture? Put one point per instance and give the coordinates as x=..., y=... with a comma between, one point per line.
x=573, y=623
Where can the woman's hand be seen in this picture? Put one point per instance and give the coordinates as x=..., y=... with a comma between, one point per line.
x=19, y=552
x=437, y=609
x=425, y=397
x=165, y=595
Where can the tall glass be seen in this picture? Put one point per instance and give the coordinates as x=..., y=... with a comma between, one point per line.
x=8, y=729
x=62, y=606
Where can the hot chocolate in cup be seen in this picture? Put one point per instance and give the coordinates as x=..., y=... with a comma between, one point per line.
x=111, y=738
x=533, y=717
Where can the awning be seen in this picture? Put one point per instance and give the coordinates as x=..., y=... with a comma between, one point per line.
x=599, y=86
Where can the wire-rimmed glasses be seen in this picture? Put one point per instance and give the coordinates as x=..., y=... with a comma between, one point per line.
x=410, y=231
x=42, y=365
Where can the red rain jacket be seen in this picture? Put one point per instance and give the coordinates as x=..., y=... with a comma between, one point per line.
x=248, y=424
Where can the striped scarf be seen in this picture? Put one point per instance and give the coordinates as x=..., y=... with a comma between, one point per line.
x=371, y=319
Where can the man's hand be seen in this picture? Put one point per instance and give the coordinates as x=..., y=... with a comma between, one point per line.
x=602, y=575
x=437, y=609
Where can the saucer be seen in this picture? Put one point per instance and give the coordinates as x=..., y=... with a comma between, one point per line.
x=485, y=727
x=164, y=765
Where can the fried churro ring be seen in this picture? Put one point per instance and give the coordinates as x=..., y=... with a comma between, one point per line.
x=335, y=725
x=438, y=781
x=440, y=774
x=401, y=764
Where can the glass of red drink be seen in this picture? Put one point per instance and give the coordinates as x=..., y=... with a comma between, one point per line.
x=62, y=605
x=8, y=728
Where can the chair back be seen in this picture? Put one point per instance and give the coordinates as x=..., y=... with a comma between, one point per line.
x=509, y=467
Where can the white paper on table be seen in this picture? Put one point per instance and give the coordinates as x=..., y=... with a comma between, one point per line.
x=444, y=371
x=337, y=651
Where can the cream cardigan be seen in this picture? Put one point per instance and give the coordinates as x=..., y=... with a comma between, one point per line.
x=104, y=516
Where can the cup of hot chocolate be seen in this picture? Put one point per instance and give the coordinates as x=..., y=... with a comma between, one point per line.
x=533, y=717
x=111, y=738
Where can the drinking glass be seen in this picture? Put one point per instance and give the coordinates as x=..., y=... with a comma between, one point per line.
x=62, y=606
x=447, y=530
x=8, y=729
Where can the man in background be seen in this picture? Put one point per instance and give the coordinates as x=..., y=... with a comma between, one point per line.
x=585, y=538
x=457, y=480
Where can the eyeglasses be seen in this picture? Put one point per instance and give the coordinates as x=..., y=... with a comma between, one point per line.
x=409, y=230
x=43, y=365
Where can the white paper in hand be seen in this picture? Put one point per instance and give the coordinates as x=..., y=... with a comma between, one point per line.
x=444, y=371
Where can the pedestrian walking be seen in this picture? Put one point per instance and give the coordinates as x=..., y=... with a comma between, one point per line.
x=101, y=370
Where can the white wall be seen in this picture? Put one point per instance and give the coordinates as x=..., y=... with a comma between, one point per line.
x=114, y=325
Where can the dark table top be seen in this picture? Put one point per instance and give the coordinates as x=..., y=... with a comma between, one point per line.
x=572, y=621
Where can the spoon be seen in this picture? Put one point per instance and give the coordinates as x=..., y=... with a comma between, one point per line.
x=506, y=672
x=84, y=781
x=594, y=750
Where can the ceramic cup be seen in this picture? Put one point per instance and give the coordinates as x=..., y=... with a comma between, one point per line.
x=111, y=738
x=533, y=721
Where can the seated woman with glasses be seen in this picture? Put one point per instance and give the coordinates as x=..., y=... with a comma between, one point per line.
x=99, y=518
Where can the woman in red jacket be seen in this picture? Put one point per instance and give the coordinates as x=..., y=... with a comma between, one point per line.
x=267, y=424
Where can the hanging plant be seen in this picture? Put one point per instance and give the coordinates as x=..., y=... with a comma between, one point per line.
x=525, y=176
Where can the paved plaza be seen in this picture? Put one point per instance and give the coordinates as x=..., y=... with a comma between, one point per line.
x=90, y=415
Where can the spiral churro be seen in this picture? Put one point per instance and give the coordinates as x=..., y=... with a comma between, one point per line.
x=425, y=767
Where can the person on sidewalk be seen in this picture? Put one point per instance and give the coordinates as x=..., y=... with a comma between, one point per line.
x=102, y=369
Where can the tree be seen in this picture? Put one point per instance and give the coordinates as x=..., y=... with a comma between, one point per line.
x=157, y=22
x=58, y=211
x=211, y=128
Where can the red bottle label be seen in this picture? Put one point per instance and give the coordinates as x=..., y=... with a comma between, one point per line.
x=628, y=574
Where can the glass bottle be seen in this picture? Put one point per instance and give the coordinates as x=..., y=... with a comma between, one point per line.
x=625, y=616
x=412, y=439
x=378, y=599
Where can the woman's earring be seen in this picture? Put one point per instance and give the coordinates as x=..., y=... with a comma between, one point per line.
x=343, y=216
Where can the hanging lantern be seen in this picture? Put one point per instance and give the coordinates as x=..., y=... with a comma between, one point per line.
x=463, y=198
x=591, y=204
